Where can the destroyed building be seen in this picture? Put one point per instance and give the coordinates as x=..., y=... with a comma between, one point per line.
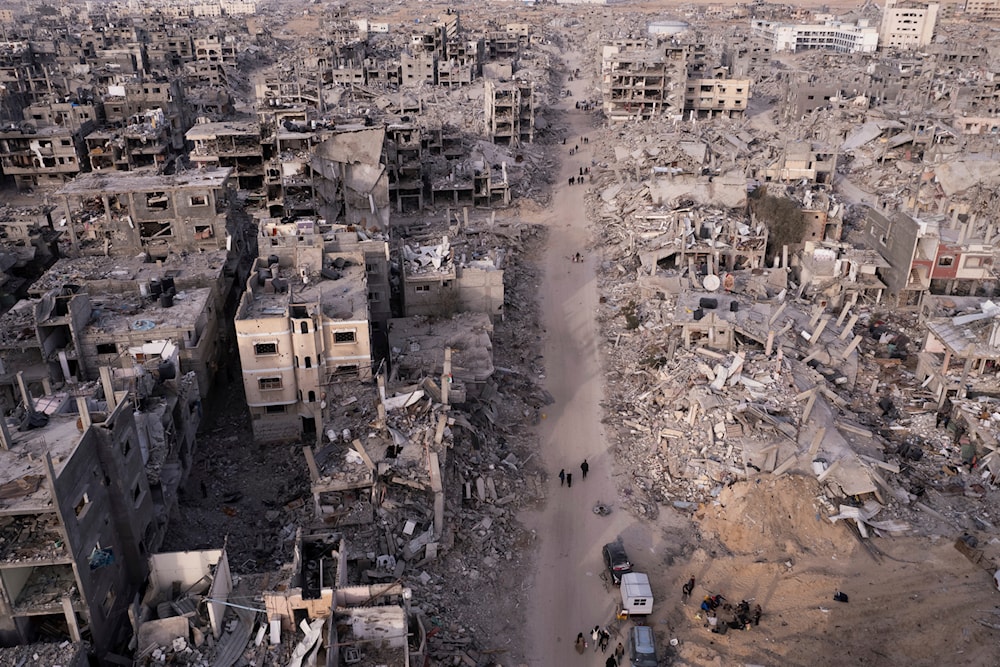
x=643, y=79
x=443, y=279
x=144, y=212
x=830, y=34
x=88, y=313
x=304, y=323
x=88, y=486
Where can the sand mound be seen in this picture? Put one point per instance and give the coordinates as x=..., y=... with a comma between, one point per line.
x=773, y=517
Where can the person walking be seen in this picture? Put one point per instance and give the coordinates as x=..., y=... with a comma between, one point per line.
x=569, y=480
x=562, y=477
x=585, y=467
x=581, y=644
x=687, y=588
x=619, y=652
x=605, y=638
x=612, y=661
x=595, y=636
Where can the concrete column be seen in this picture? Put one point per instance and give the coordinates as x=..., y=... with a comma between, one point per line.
x=29, y=403
x=843, y=314
x=849, y=327
x=850, y=348
x=72, y=229
x=818, y=330
x=64, y=365
x=5, y=437
x=770, y=343
x=47, y=386
x=81, y=406
x=74, y=629
x=446, y=376
x=109, y=390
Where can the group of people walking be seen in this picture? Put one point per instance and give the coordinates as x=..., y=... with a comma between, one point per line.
x=566, y=478
x=601, y=639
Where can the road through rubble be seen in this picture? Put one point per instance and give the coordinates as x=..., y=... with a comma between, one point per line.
x=567, y=595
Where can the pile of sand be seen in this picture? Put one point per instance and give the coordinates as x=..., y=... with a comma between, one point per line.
x=773, y=518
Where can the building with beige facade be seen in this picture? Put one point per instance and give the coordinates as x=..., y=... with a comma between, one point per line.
x=304, y=324
x=711, y=98
x=987, y=9
x=908, y=24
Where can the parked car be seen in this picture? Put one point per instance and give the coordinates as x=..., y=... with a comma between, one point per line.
x=616, y=560
x=642, y=646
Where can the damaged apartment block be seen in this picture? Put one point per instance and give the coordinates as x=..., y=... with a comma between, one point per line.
x=90, y=477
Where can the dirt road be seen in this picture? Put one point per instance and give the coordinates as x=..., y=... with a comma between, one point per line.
x=567, y=594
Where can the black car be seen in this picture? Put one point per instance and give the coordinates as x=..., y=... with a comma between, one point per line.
x=616, y=560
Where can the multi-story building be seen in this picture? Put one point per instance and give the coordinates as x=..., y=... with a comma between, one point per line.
x=235, y=145
x=303, y=324
x=510, y=112
x=986, y=9
x=640, y=80
x=404, y=160
x=128, y=214
x=907, y=24
x=85, y=499
x=144, y=141
x=100, y=311
x=46, y=156
x=437, y=283
x=830, y=35
x=710, y=98
x=125, y=103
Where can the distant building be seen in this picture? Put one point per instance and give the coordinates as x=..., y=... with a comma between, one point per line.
x=908, y=24
x=829, y=35
x=987, y=9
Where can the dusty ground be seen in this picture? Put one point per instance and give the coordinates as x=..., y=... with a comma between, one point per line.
x=916, y=603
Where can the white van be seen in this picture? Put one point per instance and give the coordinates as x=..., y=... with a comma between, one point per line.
x=637, y=595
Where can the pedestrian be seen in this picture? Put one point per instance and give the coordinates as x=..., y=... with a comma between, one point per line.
x=619, y=652
x=576, y=147
x=611, y=661
x=577, y=258
x=757, y=611
x=562, y=477
x=687, y=588
x=581, y=644
x=605, y=639
x=569, y=480
x=581, y=171
x=571, y=181
x=584, y=467
x=595, y=636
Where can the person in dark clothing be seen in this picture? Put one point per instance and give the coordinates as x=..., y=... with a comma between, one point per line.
x=562, y=477
x=603, y=639
x=755, y=617
x=569, y=480
x=612, y=661
x=584, y=467
x=687, y=588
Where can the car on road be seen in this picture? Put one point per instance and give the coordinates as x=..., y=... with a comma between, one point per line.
x=642, y=646
x=616, y=560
